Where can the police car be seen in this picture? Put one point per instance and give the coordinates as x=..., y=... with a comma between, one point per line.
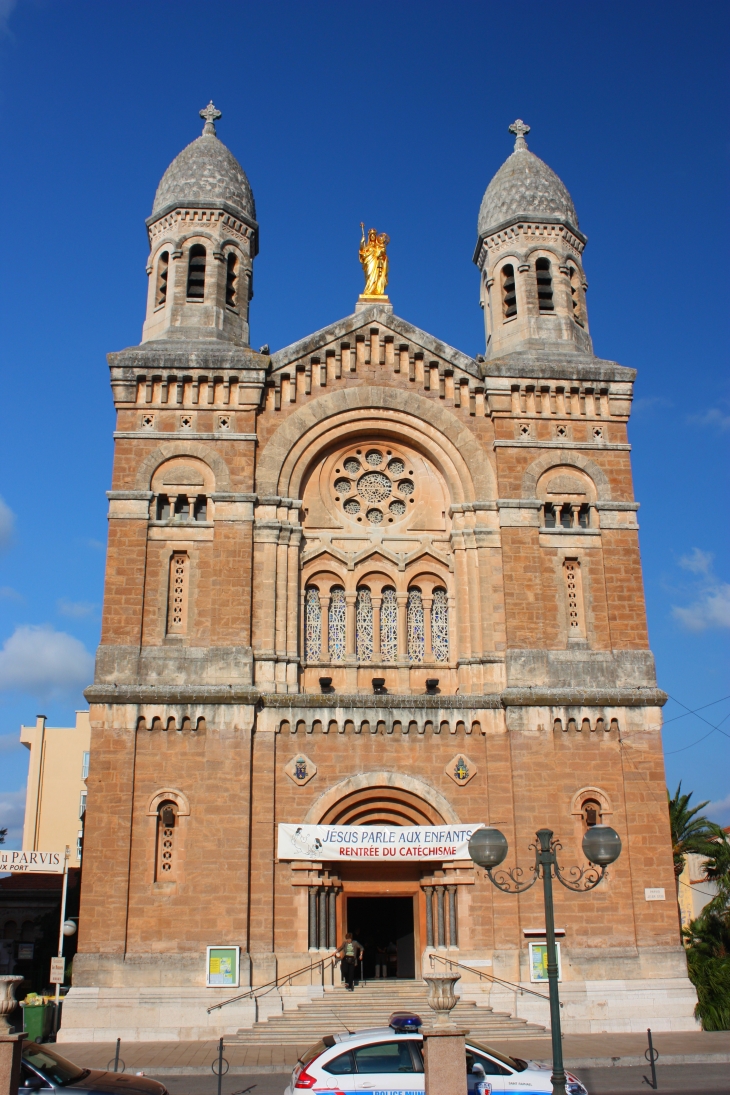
x=389, y=1061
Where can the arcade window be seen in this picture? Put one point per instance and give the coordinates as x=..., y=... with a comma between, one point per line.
x=163, y=269
x=509, y=292
x=544, y=285
x=231, y=280
x=196, y=273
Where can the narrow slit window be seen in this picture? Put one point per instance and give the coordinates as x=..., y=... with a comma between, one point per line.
x=163, y=508
x=163, y=269
x=231, y=280
x=544, y=285
x=196, y=273
x=389, y=626
x=576, y=294
x=574, y=595
x=440, y=625
x=182, y=507
x=312, y=625
x=364, y=625
x=549, y=515
x=566, y=515
x=416, y=632
x=177, y=614
x=337, y=624
x=509, y=292
x=200, y=512
x=584, y=516
x=165, y=859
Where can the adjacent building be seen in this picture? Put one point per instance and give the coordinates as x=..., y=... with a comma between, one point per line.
x=368, y=580
x=55, y=799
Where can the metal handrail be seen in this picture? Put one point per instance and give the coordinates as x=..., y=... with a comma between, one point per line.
x=489, y=976
x=260, y=989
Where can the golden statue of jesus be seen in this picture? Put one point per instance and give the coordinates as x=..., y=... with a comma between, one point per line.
x=374, y=262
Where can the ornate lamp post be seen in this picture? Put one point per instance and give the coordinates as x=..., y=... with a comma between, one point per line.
x=601, y=847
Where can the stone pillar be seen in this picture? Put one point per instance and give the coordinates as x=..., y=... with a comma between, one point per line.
x=324, y=605
x=312, y=917
x=440, y=916
x=428, y=890
x=332, y=936
x=11, y=1046
x=427, y=644
x=350, y=609
x=444, y=1058
x=453, y=939
x=322, y=918
x=402, y=599
x=376, y=602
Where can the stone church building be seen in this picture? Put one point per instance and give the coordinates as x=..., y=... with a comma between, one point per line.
x=368, y=580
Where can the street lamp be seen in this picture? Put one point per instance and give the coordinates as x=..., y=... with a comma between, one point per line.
x=601, y=847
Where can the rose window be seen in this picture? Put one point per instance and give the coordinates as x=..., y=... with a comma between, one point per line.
x=383, y=493
x=374, y=487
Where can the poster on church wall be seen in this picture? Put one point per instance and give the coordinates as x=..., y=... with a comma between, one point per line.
x=222, y=967
x=411, y=842
x=32, y=862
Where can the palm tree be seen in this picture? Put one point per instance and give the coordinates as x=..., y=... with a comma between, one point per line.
x=691, y=831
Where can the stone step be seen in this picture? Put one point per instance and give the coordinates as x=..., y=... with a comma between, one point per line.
x=370, y=1005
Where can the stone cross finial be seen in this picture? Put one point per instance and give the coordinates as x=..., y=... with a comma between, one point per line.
x=211, y=115
x=520, y=130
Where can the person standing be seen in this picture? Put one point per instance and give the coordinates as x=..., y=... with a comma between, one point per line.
x=350, y=952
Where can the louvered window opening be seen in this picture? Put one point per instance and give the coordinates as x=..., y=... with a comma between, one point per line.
x=544, y=285
x=163, y=270
x=509, y=292
x=312, y=625
x=364, y=625
x=196, y=273
x=231, y=280
x=337, y=625
x=575, y=295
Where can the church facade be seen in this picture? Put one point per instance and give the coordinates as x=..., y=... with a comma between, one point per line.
x=368, y=581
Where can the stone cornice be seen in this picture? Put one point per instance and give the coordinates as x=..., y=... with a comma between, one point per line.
x=510, y=697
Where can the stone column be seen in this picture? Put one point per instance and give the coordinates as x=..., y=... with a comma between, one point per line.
x=444, y=1059
x=453, y=940
x=332, y=937
x=350, y=603
x=322, y=942
x=428, y=890
x=324, y=604
x=312, y=917
x=376, y=602
x=427, y=645
x=402, y=599
x=440, y=916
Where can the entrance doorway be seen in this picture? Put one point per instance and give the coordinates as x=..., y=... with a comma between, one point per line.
x=384, y=926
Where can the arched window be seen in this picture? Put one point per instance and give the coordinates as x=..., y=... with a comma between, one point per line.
x=337, y=624
x=312, y=625
x=364, y=625
x=231, y=280
x=591, y=813
x=575, y=294
x=416, y=635
x=165, y=860
x=389, y=626
x=440, y=625
x=182, y=507
x=544, y=285
x=163, y=269
x=509, y=293
x=177, y=612
x=196, y=273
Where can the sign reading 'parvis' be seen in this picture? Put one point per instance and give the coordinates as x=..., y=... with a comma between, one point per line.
x=32, y=862
x=373, y=842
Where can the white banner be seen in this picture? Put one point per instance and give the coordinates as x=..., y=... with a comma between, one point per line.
x=374, y=842
x=32, y=862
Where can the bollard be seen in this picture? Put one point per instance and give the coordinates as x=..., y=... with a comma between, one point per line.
x=116, y=1064
x=651, y=1056
x=220, y=1065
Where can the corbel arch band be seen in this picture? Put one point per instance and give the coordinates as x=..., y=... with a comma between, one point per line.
x=152, y=461
x=453, y=448
x=567, y=458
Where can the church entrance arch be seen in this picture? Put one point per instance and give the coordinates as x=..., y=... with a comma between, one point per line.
x=393, y=909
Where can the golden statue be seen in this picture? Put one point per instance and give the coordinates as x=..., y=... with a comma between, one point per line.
x=374, y=262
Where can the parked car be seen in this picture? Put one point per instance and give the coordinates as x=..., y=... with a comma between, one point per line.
x=389, y=1061
x=42, y=1069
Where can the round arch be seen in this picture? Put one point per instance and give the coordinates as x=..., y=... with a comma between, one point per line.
x=567, y=458
x=383, y=798
x=158, y=456
x=449, y=444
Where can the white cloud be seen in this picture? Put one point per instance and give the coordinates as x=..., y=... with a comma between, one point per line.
x=43, y=662
x=6, y=10
x=7, y=593
x=7, y=517
x=711, y=606
x=649, y=403
x=713, y=417
x=12, y=813
x=75, y=609
x=720, y=811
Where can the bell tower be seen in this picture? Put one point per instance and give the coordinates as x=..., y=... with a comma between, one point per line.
x=203, y=240
x=529, y=253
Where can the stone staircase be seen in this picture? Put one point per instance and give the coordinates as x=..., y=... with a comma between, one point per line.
x=370, y=1005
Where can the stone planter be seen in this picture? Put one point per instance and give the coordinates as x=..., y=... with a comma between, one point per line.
x=442, y=998
x=8, y=1003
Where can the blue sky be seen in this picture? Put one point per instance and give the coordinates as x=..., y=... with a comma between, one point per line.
x=393, y=113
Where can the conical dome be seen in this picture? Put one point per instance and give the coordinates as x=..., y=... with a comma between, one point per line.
x=206, y=172
x=524, y=186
